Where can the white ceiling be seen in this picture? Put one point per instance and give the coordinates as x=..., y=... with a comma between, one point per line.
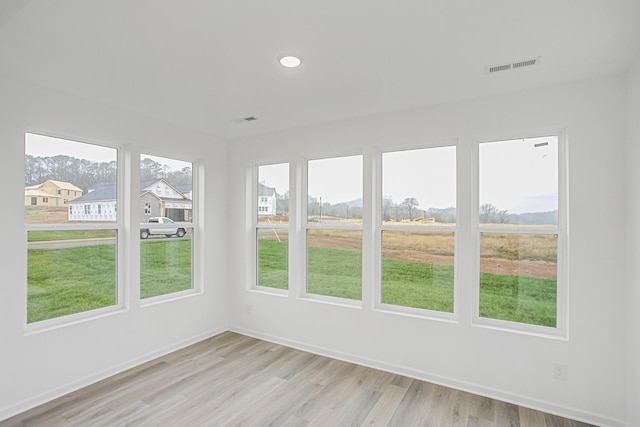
x=205, y=64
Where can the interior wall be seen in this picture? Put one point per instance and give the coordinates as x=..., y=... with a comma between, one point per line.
x=503, y=364
x=633, y=244
x=39, y=366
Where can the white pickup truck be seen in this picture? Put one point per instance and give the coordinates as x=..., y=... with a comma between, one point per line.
x=167, y=231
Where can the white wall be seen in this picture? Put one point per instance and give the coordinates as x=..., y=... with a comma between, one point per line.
x=506, y=365
x=39, y=366
x=633, y=244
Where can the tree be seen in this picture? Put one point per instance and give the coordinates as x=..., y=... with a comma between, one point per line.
x=410, y=203
x=387, y=205
x=490, y=214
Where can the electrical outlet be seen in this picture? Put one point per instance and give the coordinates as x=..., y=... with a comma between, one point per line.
x=560, y=371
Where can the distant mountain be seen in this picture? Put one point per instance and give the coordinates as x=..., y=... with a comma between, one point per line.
x=539, y=218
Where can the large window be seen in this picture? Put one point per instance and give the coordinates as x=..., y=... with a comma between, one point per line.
x=272, y=226
x=334, y=227
x=71, y=242
x=166, y=230
x=520, y=231
x=418, y=221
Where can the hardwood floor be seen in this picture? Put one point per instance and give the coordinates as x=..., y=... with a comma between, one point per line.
x=234, y=380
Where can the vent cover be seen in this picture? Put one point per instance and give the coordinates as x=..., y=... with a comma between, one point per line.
x=513, y=65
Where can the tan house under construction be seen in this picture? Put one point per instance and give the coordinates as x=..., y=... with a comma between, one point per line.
x=51, y=193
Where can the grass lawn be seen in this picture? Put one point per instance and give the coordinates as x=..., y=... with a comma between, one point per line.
x=52, y=235
x=70, y=280
x=165, y=266
x=337, y=272
x=73, y=280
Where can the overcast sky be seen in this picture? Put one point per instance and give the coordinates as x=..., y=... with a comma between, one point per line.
x=46, y=146
x=517, y=175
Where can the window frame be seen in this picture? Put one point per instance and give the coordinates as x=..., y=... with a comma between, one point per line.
x=380, y=228
x=121, y=264
x=305, y=226
x=197, y=184
x=255, y=226
x=561, y=330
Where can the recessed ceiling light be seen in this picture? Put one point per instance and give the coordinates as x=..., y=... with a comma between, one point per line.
x=290, y=61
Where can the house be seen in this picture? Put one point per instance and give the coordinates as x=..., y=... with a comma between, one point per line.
x=201, y=80
x=157, y=198
x=266, y=200
x=51, y=193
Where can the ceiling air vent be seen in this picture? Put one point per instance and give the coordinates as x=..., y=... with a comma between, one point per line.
x=513, y=65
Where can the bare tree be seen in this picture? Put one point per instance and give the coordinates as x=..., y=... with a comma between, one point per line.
x=410, y=203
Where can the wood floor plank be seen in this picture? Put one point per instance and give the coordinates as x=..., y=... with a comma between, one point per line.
x=386, y=406
x=234, y=380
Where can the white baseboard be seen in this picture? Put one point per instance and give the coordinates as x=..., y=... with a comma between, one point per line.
x=515, y=399
x=48, y=396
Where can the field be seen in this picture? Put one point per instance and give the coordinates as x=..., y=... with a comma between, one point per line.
x=517, y=279
x=72, y=280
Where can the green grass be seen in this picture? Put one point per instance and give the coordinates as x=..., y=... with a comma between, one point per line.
x=337, y=272
x=518, y=299
x=334, y=272
x=165, y=266
x=72, y=280
x=273, y=268
x=417, y=284
x=52, y=235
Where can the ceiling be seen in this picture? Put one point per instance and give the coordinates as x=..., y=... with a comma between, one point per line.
x=207, y=64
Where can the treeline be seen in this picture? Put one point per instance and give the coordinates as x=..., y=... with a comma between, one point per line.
x=86, y=173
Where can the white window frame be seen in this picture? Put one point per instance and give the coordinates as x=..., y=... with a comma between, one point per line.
x=120, y=264
x=305, y=226
x=254, y=226
x=195, y=224
x=381, y=228
x=560, y=331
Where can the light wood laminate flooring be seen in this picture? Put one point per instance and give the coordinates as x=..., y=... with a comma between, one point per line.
x=234, y=380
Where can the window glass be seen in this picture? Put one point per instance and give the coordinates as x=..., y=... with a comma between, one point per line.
x=518, y=277
x=334, y=227
x=418, y=222
x=166, y=230
x=334, y=263
x=417, y=269
x=334, y=193
x=273, y=193
x=519, y=181
x=419, y=187
x=273, y=257
x=272, y=230
x=71, y=242
x=519, y=230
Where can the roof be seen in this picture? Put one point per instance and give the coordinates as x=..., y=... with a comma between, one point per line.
x=64, y=185
x=100, y=192
x=108, y=191
x=264, y=190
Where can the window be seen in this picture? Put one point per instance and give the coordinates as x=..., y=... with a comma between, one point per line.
x=521, y=231
x=272, y=226
x=334, y=227
x=166, y=238
x=71, y=259
x=418, y=223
